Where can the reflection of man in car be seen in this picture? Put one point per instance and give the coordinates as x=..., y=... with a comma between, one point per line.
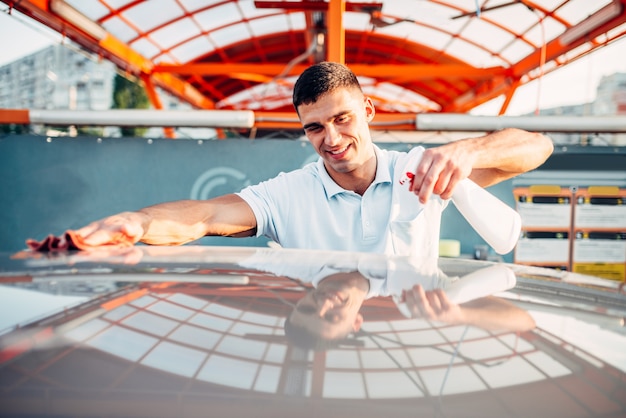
x=330, y=312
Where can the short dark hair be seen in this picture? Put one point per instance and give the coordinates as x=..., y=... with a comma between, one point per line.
x=301, y=337
x=320, y=79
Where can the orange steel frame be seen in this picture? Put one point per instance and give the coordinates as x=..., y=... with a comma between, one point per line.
x=490, y=82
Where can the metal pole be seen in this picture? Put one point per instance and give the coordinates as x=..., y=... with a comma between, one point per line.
x=140, y=117
x=575, y=124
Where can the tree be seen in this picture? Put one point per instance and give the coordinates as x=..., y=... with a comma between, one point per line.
x=129, y=94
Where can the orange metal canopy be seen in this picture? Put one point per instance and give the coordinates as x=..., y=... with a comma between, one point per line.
x=411, y=56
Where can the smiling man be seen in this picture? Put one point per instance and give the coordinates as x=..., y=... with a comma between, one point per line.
x=330, y=312
x=350, y=198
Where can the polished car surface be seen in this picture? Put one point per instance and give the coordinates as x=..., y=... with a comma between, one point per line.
x=243, y=332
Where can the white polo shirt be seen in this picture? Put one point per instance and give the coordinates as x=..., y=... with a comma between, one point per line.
x=305, y=208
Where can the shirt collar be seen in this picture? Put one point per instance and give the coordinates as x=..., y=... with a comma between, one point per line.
x=382, y=174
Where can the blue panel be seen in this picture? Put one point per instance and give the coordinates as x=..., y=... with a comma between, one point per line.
x=48, y=186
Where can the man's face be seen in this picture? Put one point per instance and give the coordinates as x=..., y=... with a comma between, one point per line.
x=332, y=310
x=337, y=127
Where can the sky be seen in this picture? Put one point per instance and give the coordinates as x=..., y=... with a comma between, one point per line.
x=575, y=83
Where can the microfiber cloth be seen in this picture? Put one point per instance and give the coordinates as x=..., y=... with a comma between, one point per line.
x=70, y=240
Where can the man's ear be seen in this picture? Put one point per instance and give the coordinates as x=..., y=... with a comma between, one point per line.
x=370, y=111
x=358, y=321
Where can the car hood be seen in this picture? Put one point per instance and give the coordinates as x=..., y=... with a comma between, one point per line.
x=197, y=331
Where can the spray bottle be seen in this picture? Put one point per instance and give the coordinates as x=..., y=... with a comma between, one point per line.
x=495, y=221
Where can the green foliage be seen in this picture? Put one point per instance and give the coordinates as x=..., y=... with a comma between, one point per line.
x=14, y=128
x=128, y=94
x=90, y=130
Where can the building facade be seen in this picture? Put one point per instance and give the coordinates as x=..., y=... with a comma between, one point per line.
x=57, y=77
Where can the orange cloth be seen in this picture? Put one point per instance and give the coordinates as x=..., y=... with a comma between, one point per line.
x=70, y=240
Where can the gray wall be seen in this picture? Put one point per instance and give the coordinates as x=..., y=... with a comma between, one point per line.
x=50, y=185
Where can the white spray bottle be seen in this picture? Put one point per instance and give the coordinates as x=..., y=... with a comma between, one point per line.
x=495, y=221
x=478, y=284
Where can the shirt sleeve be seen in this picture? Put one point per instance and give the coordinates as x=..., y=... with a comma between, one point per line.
x=266, y=203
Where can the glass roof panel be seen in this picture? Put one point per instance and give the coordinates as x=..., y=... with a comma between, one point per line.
x=192, y=49
x=548, y=365
x=143, y=301
x=524, y=18
x=241, y=347
x=473, y=54
x=270, y=24
x=551, y=28
x=276, y=353
x=93, y=10
x=377, y=360
x=116, y=4
x=171, y=310
x=392, y=385
x=516, y=51
x=342, y=359
x=229, y=372
x=515, y=371
x=552, y=4
x=489, y=36
x=120, y=29
x=483, y=349
x=175, y=33
x=433, y=38
x=119, y=313
x=145, y=47
x=429, y=356
x=243, y=328
x=459, y=379
x=135, y=346
x=174, y=358
x=165, y=58
x=250, y=11
x=218, y=16
x=231, y=34
x=87, y=330
x=576, y=11
x=197, y=337
x=420, y=11
x=428, y=337
x=222, y=310
x=211, y=322
x=268, y=379
x=150, y=323
x=357, y=21
x=193, y=5
x=297, y=21
x=190, y=301
x=343, y=385
x=259, y=318
x=396, y=98
x=148, y=15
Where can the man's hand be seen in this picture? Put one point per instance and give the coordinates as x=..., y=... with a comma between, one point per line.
x=433, y=305
x=486, y=160
x=123, y=229
x=441, y=169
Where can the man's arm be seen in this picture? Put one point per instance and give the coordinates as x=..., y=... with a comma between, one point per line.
x=174, y=223
x=486, y=160
x=490, y=313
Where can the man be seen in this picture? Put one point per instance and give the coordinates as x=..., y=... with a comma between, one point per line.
x=346, y=200
x=330, y=312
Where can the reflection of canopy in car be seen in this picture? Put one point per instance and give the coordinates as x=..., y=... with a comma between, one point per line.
x=228, y=355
